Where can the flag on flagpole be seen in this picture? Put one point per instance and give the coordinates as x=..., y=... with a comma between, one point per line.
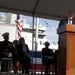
x=53, y=28
x=19, y=26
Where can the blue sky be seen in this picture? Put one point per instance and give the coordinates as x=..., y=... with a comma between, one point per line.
x=51, y=25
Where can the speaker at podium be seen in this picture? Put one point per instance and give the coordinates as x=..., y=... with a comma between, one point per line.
x=66, y=51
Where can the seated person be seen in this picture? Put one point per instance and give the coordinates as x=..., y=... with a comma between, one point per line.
x=6, y=48
x=47, y=56
x=23, y=56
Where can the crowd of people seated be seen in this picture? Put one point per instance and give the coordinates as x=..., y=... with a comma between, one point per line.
x=18, y=51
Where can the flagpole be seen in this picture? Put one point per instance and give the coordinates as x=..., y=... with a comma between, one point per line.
x=36, y=39
x=32, y=42
x=16, y=31
x=36, y=34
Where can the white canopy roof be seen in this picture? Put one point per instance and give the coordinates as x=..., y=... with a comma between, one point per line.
x=52, y=9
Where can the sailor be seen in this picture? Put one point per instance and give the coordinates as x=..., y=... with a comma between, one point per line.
x=47, y=57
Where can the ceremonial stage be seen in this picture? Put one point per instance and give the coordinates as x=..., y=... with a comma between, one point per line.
x=16, y=74
x=19, y=73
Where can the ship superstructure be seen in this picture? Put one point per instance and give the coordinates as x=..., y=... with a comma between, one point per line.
x=28, y=32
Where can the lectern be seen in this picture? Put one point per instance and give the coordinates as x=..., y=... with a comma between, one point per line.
x=66, y=51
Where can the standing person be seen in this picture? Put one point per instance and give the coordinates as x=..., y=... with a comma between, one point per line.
x=6, y=48
x=69, y=20
x=23, y=55
x=47, y=56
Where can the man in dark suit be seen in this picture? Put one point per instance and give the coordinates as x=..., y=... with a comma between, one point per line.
x=69, y=20
x=23, y=55
x=47, y=57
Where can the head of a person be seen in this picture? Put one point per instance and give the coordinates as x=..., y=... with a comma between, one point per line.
x=22, y=40
x=15, y=42
x=71, y=15
x=5, y=36
x=47, y=44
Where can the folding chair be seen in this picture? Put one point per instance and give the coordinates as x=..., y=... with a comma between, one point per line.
x=9, y=60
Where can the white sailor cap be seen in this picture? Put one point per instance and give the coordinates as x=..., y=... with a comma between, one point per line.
x=5, y=34
x=47, y=43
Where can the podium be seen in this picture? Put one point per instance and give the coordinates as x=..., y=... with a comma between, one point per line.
x=66, y=51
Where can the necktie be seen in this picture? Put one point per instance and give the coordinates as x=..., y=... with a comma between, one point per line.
x=69, y=21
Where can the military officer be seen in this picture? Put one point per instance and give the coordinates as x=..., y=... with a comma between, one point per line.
x=6, y=51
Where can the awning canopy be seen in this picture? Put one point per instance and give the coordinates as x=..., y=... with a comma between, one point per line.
x=50, y=9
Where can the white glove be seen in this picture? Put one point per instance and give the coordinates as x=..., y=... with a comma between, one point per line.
x=10, y=54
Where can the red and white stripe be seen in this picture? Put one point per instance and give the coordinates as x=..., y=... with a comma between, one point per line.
x=19, y=28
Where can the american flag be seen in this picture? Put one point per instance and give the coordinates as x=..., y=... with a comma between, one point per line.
x=19, y=26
